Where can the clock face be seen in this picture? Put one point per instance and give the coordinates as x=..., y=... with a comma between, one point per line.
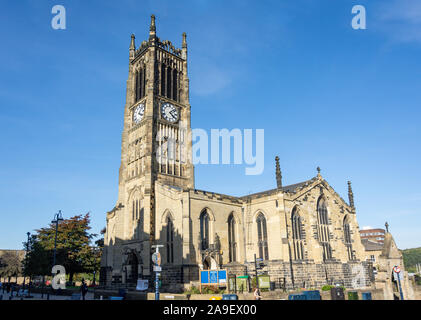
x=138, y=113
x=169, y=112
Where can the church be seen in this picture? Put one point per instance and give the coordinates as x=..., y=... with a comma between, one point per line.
x=305, y=233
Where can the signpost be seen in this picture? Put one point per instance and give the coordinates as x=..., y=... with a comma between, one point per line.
x=156, y=259
x=397, y=271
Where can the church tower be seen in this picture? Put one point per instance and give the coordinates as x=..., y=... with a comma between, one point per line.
x=156, y=139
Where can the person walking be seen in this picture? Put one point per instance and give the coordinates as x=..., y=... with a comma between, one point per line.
x=83, y=289
x=257, y=295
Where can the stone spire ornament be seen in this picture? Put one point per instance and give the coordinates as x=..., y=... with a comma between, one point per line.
x=318, y=172
x=132, y=47
x=152, y=29
x=350, y=195
x=184, y=44
x=278, y=174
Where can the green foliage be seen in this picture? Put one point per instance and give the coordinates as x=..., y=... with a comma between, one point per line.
x=212, y=290
x=74, y=250
x=192, y=290
x=327, y=287
x=38, y=260
x=411, y=257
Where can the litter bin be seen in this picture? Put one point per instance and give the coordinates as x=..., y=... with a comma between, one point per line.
x=122, y=293
x=297, y=296
x=229, y=297
x=352, y=295
x=366, y=296
x=312, y=295
x=337, y=293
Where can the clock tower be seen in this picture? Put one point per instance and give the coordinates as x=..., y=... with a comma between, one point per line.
x=156, y=143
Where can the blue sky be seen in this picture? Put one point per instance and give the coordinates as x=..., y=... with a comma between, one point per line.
x=326, y=95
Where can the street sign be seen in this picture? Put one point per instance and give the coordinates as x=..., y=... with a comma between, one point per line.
x=157, y=268
x=397, y=269
x=156, y=258
x=259, y=259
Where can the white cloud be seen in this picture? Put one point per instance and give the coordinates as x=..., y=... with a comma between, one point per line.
x=209, y=79
x=366, y=228
x=400, y=19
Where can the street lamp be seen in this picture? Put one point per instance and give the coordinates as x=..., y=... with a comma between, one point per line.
x=27, y=251
x=57, y=218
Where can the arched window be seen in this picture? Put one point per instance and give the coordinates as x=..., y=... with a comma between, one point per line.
x=204, y=230
x=170, y=241
x=262, y=237
x=140, y=81
x=231, y=239
x=174, y=85
x=347, y=238
x=323, y=229
x=169, y=83
x=163, y=80
x=297, y=235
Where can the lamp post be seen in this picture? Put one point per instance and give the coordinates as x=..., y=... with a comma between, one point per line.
x=27, y=250
x=57, y=218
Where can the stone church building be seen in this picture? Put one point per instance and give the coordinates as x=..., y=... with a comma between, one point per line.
x=306, y=234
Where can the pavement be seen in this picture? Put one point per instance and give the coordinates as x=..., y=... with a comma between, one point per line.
x=37, y=296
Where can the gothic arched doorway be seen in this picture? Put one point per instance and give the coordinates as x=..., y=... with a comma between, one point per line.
x=133, y=263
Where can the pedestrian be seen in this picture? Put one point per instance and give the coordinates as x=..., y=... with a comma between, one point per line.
x=257, y=295
x=83, y=289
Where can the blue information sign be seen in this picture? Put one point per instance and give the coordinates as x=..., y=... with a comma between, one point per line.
x=204, y=276
x=213, y=276
x=222, y=276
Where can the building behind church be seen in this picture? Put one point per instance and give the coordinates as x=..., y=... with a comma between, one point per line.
x=305, y=233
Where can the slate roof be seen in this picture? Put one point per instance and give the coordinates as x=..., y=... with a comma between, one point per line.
x=290, y=189
x=371, y=245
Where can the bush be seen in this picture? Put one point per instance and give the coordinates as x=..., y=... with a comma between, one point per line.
x=192, y=290
x=327, y=287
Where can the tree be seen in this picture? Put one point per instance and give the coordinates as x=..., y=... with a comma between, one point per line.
x=37, y=261
x=73, y=244
x=11, y=264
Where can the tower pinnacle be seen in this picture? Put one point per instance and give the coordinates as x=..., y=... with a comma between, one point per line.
x=278, y=173
x=350, y=195
x=152, y=29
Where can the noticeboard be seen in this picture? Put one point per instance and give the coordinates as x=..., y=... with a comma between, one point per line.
x=213, y=277
x=264, y=282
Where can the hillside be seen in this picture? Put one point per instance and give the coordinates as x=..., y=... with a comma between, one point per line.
x=411, y=257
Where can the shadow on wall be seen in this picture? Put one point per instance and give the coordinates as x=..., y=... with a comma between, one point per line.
x=126, y=261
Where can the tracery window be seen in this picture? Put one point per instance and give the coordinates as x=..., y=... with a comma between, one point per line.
x=170, y=241
x=232, y=244
x=323, y=229
x=347, y=238
x=297, y=235
x=262, y=237
x=204, y=229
